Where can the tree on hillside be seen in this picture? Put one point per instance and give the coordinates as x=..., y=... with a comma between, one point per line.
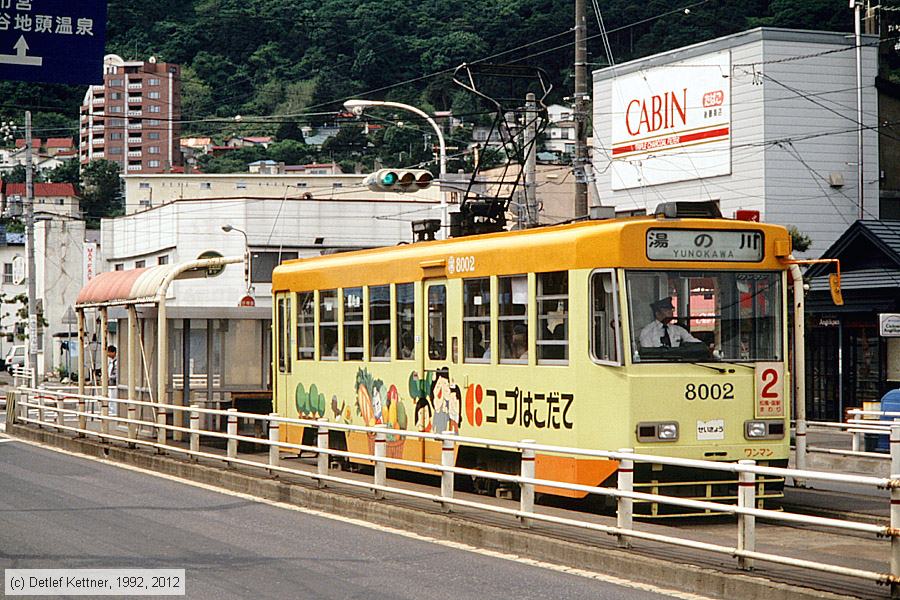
x=102, y=193
x=67, y=172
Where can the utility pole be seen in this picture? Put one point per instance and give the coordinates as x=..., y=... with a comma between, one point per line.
x=857, y=5
x=579, y=164
x=531, y=116
x=29, y=250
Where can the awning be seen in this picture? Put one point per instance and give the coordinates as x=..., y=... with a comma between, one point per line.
x=136, y=286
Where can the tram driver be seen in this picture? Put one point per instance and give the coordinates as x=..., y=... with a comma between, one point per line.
x=662, y=332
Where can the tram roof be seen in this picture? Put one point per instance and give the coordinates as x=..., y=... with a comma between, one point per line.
x=587, y=244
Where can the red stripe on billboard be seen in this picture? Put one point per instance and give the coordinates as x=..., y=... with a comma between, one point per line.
x=670, y=141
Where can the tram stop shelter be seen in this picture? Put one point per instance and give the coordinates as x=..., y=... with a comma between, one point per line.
x=178, y=354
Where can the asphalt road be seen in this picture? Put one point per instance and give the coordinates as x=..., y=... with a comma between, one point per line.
x=60, y=511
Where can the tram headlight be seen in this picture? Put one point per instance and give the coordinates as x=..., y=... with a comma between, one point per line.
x=764, y=430
x=657, y=431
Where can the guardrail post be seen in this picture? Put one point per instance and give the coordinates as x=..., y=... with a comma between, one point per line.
x=323, y=458
x=132, y=426
x=624, y=505
x=82, y=418
x=856, y=442
x=21, y=412
x=895, y=506
x=526, y=490
x=448, y=459
x=195, y=432
x=380, y=466
x=746, y=523
x=232, y=430
x=160, y=427
x=104, y=416
x=274, y=436
x=60, y=405
x=800, y=451
x=40, y=410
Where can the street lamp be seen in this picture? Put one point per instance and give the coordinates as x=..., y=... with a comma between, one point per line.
x=247, y=273
x=357, y=107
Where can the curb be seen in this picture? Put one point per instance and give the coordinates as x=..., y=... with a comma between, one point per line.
x=453, y=527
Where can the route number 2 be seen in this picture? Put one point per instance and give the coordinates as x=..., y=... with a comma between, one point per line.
x=769, y=387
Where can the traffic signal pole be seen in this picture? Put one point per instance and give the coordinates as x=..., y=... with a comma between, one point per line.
x=581, y=94
x=29, y=251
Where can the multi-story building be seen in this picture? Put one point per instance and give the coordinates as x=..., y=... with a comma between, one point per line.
x=59, y=199
x=132, y=119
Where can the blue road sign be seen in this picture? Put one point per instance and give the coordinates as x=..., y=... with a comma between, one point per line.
x=53, y=41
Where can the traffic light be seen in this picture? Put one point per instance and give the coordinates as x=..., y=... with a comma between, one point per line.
x=399, y=180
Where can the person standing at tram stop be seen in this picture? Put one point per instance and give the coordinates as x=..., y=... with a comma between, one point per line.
x=112, y=372
x=662, y=332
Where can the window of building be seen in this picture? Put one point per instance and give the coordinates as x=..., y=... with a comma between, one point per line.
x=116, y=135
x=115, y=150
x=115, y=109
x=262, y=263
x=7, y=273
x=153, y=108
x=116, y=122
x=153, y=163
x=328, y=326
x=163, y=260
x=116, y=82
x=144, y=185
x=140, y=264
x=301, y=184
x=151, y=121
x=437, y=322
x=306, y=325
x=115, y=95
x=380, y=322
x=353, y=324
x=337, y=185
x=604, y=318
x=205, y=185
x=153, y=135
x=405, y=315
x=153, y=95
x=512, y=322
x=553, y=317
x=60, y=201
x=119, y=267
x=153, y=81
x=241, y=185
x=476, y=319
x=153, y=150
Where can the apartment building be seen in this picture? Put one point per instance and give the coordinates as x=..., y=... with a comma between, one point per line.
x=132, y=119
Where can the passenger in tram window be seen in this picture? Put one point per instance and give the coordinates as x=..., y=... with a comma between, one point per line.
x=662, y=332
x=519, y=344
x=329, y=345
x=406, y=345
x=478, y=350
x=382, y=348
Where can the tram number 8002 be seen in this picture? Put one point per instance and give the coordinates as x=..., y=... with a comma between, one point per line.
x=709, y=391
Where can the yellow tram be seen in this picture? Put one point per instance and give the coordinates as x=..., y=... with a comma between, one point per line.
x=666, y=335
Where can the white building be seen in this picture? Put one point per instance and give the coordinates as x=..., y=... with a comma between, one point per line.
x=560, y=134
x=762, y=120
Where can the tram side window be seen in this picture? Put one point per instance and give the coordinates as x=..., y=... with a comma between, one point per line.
x=353, y=324
x=476, y=319
x=512, y=298
x=380, y=322
x=306, y=325
x=604, y=326
x=405, y=293
x=328, y=326
x=553, y=317
x=284, y=335
x=437, y=322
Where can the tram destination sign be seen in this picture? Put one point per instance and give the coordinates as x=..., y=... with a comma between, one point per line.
x=52, y=41
x=707, y=245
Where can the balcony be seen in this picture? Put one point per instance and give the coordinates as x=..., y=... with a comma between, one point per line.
x=97, y=101
x=97, y=141
x=134, y=113
x=134, y=140
x=98, y=155
x=134, y=154
x=98, y=89
x=137, y=125
x=98, y=127
x=134, y=167
x=135, y=99
x=135, y=86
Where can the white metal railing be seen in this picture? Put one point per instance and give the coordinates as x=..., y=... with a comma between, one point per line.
x=44, y=407
x=22, y=375
x=859, y=423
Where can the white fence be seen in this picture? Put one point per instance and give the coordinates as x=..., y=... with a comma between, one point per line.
x=90, y=416
x=859, y=424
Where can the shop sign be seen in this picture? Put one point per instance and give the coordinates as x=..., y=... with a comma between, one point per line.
x=889, y=325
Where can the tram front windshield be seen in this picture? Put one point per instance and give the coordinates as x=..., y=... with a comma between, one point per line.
x=702, y=316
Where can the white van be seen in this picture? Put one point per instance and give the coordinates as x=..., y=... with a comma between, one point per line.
x=15, y=357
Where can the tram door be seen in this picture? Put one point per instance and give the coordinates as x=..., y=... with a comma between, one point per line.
x=431, y=411
x=283, y=331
